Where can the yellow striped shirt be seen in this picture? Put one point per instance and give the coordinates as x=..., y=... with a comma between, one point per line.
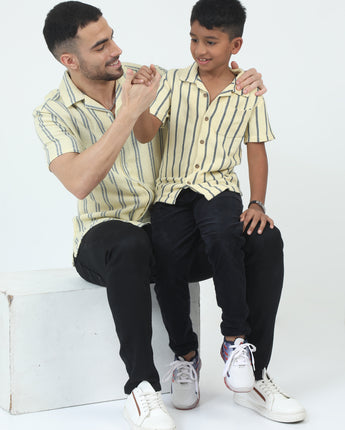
x=204, y=139
x=70, y=121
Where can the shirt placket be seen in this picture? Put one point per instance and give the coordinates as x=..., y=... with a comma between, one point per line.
x=200, y=141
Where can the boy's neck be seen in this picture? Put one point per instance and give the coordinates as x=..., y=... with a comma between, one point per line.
x=216, y=80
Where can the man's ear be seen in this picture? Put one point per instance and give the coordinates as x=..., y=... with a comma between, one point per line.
x=70, y=61
x=236, y=45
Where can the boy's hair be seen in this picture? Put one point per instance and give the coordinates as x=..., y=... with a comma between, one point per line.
x=63, y=22
x=227, y=15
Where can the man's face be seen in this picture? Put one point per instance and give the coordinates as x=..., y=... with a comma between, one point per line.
x=98, y=55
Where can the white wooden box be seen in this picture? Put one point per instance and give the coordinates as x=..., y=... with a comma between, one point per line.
x=58, y=345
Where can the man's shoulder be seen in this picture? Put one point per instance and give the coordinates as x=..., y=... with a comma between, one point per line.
x=52, y=99
x=180, y=74
x=135, y=67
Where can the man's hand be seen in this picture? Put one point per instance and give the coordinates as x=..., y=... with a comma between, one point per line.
x=253, y=217
x=137, y=98
x=145, y=75
x=249, y=81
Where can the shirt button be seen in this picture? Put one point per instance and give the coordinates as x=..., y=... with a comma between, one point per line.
x=197, y=166
x=189, y=183
x=205, y=95
x=206, y=118
x=202, y=142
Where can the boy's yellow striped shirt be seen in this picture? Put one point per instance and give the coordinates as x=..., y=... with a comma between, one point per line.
x=203, y=145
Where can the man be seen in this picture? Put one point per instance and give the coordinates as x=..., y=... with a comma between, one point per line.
x=86, y=129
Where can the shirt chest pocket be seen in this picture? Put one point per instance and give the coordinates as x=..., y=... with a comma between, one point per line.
x=233, y=123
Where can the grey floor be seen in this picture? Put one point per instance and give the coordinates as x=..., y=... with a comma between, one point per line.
x=307, y=362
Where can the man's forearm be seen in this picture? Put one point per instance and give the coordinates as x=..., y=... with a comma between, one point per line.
x=81, y=173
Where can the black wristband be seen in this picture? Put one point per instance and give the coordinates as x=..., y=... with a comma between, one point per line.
x=257, y=202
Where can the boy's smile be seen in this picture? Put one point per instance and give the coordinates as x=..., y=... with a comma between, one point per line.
x=212, y=49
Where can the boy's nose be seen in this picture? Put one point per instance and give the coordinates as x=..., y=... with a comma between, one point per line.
x=200, y=51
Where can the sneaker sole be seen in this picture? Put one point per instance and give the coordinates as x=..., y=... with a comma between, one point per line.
x=274, y=416
x=238, y=389
x=188, y=408
x=136, y=427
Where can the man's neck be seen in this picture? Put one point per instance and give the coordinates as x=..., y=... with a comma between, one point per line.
x=100, y=91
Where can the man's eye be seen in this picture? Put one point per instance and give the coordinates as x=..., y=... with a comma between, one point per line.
x=101, y=48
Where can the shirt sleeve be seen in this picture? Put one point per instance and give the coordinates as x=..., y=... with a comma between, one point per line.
x=55, y=132
x=160, y=107
x=259, y=127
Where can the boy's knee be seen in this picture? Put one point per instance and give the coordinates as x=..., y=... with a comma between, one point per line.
x=269, y=242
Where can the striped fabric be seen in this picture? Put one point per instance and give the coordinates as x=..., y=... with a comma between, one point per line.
x=204, y=140
x=70, y=121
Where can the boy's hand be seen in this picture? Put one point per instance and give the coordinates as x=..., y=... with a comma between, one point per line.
x=145, y=75
x=249, y=81
x=253, y=217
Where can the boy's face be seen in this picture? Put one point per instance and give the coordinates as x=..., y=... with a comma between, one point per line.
x=212, y=49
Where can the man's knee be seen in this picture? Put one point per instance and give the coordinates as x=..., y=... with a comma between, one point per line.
x=131, y=242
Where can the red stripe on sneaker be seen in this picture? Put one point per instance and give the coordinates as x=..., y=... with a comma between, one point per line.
x=139, y=411
x=259, y=394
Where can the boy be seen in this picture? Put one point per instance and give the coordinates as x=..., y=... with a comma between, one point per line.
x=198, y=194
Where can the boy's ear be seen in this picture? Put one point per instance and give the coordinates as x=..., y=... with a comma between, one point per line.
x=236, y=45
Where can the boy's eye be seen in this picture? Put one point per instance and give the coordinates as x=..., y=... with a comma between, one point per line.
x=194, y=40
x=210, y=43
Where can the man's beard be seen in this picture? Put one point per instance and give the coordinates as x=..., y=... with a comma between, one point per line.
x=93, y=73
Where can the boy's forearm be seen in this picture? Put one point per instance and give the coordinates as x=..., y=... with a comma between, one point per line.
x=146, y=127
x=258, y=171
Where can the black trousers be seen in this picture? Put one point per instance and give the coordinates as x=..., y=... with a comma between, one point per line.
x=119, y=256
x=175, y=231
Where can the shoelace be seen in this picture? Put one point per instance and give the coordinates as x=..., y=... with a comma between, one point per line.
x=240, y=355
x=185, y=372
x=152, y=401
x=268, y=386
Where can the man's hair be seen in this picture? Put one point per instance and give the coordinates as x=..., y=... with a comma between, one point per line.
x=227, y=15
x=63, y=22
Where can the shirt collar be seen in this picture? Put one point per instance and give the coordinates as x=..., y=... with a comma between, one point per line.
x=72, y=95
x=191, y=74
x=69, y=92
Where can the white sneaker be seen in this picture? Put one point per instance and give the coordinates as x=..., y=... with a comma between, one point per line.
x=145, y=410
x=268, y=400
x=184, y=375
x=239, y=363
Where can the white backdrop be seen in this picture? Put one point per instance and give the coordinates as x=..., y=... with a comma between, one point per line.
x=297, y=45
